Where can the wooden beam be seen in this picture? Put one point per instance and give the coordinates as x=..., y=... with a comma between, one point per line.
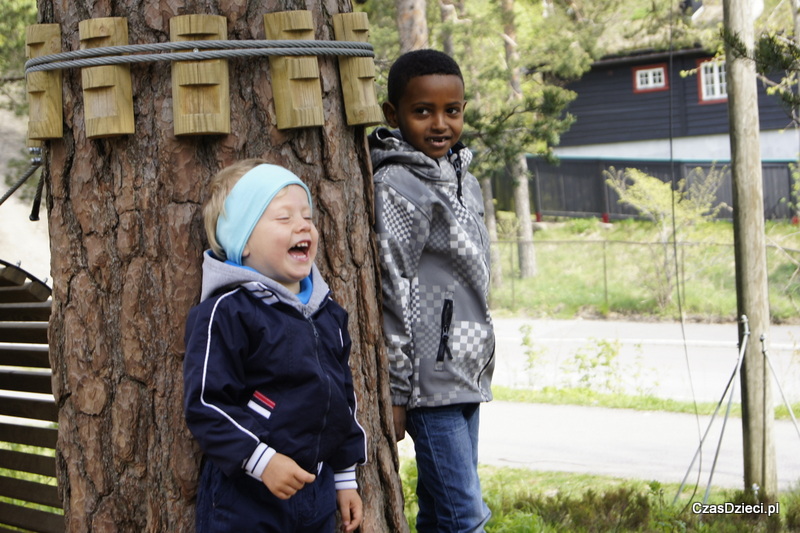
x=750, y=251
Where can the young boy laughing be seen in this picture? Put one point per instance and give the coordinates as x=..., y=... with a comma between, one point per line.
x=267, y=387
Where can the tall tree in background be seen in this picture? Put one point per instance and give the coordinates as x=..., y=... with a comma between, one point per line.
x=518, y=164
x=126, y=242
x=515, y=111
x=412, y=24
x=451, y=11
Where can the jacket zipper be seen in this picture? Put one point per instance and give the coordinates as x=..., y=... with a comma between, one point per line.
x=444, y=341
x=327, y=378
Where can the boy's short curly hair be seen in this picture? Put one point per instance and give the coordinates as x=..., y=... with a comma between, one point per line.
x=219, y=189
x=418, y=63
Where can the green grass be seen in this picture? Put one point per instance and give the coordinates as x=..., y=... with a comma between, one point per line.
x=593, y=398
x=586, y=268
x=528, y=501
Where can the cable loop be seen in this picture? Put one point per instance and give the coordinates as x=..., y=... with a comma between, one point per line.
x=215, y=49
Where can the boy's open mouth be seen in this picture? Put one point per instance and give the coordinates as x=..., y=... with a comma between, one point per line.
x=300, y=250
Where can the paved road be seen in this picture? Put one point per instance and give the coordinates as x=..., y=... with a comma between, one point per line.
x=626, y=443
x=693, y=362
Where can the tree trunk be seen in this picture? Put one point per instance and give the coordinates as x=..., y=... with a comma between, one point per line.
x=490, y=218
x=448, y=17
x=126, y=241
x=519, y=168
x=412, y=24
x=522, y=202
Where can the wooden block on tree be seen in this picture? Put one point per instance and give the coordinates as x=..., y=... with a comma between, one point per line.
x=296, y=87
x=107, y=92
x=44, y=87
x=357, y=74
x=200, y=89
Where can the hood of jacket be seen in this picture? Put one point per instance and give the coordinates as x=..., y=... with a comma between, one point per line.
x=387, y=147
x=219, y=276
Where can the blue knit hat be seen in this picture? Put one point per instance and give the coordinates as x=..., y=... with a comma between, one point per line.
x=246, y=203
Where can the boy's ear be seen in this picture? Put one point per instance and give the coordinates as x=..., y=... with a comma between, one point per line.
x=390, y=114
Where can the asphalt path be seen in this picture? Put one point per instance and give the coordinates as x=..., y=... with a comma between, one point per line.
x=694, y=361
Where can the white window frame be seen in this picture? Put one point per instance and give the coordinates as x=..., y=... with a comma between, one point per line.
x=713, y=87
x=650, y=79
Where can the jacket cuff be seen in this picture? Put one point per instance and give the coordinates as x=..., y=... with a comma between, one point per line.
x=346, y=479
x=400, y=399
x=255, y=464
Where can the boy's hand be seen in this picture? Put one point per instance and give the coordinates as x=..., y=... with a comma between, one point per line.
x=399, y=416
x=283, y=477
x=350, y=508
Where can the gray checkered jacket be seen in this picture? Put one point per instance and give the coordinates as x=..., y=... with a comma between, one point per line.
x=434, y=251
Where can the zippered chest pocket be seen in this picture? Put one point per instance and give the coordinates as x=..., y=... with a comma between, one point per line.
x=444, y=339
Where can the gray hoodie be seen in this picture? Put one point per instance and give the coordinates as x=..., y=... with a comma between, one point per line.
x=219, y=275
x=434, y=251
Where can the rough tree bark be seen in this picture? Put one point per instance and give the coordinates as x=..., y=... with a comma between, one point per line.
x=126, y=243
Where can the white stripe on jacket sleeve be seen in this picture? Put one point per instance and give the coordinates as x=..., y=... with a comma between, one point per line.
x=255, y=464
x=346, y=479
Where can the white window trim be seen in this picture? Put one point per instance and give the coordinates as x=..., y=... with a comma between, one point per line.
x=713, y=85
x=648, y=79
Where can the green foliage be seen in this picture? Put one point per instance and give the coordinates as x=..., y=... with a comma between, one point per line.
x=583, y=226
x=592, y=370
x=792, y=509
x=500, y=131
x=794, y=195
x=595, y=366
x=776, y=53
x=17, y=15
x=692, y=202
x=534, y=353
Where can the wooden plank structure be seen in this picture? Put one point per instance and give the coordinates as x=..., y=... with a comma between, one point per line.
x=295, y=80
x=107, y=89
x=200, y=88
x=29, y=498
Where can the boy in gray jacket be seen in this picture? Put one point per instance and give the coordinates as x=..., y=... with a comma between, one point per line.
x=434, y=250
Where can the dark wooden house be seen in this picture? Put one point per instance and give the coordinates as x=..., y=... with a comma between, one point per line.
x=665, y=113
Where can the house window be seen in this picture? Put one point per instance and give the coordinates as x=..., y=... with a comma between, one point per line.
x=650, y=78
x=713, y=87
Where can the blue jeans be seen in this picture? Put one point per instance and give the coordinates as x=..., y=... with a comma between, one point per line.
x=448, y=487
